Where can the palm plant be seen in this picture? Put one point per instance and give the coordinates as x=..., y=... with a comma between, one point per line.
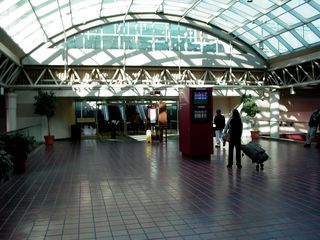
x=45, y=104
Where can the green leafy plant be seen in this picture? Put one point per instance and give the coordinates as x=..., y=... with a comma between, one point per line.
x=45, y=104
x=18, y=146
x=6, y=165
x=250, y=108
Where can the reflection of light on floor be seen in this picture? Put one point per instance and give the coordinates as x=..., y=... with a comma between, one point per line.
x=139, y=138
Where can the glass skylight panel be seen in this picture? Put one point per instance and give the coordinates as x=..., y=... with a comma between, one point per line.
x=261, y=5
x=273, y=26
x=248, y=37
x=53, y=28
x=199, y=16
x=291, y=40
x=307, y=11
x=147, y=6
x=289, y=19
x=113, y=10
x=295, y=3
x=223, y=24
x=250, y=25
x=268, y=52
x=252, y=22
x=307, y=34
x=245, y=9
x=34, y=39
x=239, y=31
x=53, y=16
x=42, y=10
x=231, y=16
x=213, y=9
x=316, y=24
x=26, y=23
x=275, y=43
x=25, y=36
x=221, y=2
x=15, y=13
x=5, y=5
x=278, y=11
x=262, y=33
x=177, y=7
x=203, y=11
x=10, y=8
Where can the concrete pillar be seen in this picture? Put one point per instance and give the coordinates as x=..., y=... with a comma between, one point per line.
x=274, y=114
x=11, y=110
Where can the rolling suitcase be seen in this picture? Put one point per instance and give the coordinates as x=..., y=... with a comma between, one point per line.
x=257, y=154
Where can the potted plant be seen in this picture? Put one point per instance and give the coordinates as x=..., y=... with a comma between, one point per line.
x=250, y=108
x=6, y=165
x=18, y=146
x=45, y=104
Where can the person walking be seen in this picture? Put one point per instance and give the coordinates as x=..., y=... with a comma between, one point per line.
x=312, y=127
x=234, y=128
x=219, y=122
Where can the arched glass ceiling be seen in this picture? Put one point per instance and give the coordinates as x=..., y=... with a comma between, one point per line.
x=148, y=35
x=271, y=27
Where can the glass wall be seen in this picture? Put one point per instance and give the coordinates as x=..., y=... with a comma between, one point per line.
x=103, y=117
x=150, y=36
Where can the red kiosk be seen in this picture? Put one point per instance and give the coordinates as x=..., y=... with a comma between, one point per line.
x=195, y=122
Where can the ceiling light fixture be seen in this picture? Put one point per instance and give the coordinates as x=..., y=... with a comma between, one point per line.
x=292, y=91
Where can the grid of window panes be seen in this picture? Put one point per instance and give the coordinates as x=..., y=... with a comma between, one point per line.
x=151, y=36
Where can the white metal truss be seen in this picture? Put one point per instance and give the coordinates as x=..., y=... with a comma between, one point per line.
x=9, y=71
x=298, y=75
x=51, y=77
x=112, y=78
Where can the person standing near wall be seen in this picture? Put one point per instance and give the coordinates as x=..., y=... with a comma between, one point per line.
x=219, y=122
x=312, y=127
x=318, y=143
x=234, y=128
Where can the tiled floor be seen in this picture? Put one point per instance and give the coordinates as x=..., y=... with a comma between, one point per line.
x=135, y=190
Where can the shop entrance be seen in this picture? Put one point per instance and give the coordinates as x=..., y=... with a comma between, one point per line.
x=116, y=119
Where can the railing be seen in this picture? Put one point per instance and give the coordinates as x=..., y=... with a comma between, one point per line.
x=31, y=131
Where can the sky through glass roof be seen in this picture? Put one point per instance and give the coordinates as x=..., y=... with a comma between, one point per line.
x=271, y=27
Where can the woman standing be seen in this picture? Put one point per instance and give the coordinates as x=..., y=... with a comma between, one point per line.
x=234, y=128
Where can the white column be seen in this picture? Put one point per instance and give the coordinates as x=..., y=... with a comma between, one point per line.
x=274, y=114
x=11, y=111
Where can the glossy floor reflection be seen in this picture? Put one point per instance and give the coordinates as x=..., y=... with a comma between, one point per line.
x=135, y=190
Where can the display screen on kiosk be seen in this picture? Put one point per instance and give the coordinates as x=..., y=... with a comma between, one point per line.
x=200, y=97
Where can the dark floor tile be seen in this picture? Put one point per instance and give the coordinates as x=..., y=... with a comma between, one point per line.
x=130, y=190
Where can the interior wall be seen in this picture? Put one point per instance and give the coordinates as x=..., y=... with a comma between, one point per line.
x=60, y=123
x=295, y=110
x=2, y=114
x=226, y=104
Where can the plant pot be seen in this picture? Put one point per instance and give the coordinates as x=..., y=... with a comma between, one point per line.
x=255, y=134
x=48, y=140
x=20, y=165
x=20, y=162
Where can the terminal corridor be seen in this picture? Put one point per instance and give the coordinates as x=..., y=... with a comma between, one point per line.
x=129, y=189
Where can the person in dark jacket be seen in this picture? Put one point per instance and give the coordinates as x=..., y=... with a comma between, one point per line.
x=219, y=122
x=312, y=127
x=234, y=128
x=318, y=143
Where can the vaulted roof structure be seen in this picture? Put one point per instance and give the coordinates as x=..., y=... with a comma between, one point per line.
x=275, y=33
